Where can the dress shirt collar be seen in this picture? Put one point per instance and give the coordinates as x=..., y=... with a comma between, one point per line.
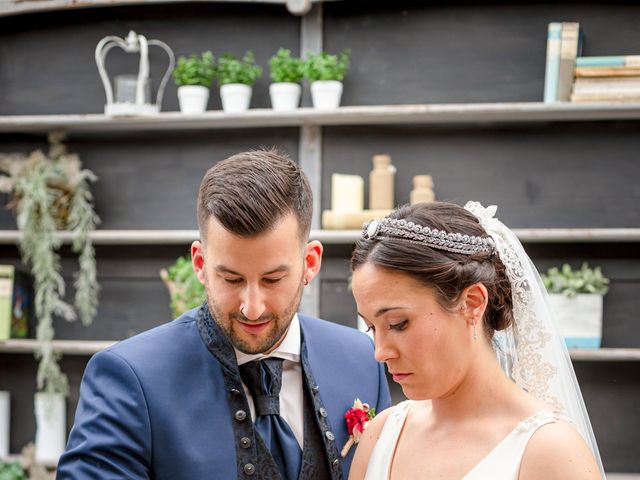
x=289, y=349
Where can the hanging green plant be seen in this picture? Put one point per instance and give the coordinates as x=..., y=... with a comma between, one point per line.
x=51, y=193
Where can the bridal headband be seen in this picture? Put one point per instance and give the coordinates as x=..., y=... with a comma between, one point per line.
x=439, y=239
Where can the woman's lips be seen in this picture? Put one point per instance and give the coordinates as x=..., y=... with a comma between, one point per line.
x=399, y=377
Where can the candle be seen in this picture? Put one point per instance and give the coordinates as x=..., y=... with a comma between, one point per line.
x=347, y=193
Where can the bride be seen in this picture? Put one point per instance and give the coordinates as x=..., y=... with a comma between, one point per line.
x=460, y=317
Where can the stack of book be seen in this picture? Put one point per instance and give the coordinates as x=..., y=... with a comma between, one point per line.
x=564, y=45
x=607, y=79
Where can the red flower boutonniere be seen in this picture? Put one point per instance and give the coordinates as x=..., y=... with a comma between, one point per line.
x=357, y=418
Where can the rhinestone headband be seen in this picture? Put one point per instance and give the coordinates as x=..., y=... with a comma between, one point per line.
x=441, y=240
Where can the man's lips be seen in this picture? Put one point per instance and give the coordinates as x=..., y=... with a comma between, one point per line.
x=254, y=328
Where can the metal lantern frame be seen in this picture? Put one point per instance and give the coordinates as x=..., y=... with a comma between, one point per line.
x=134, y=43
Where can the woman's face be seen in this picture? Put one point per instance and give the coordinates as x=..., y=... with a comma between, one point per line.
x=426, y=347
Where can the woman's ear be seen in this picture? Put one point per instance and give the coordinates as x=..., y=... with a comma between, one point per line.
x=474, y=300
x=197, y=260
x=312, y=260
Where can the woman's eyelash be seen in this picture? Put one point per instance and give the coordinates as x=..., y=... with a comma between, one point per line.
x=399, y=326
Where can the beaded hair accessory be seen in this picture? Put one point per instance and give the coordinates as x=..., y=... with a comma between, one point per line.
x=438, y=239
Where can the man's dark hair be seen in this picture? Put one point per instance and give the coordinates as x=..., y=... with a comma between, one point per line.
x=248, y=193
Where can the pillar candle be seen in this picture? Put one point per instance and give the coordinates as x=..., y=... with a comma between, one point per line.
x=347, y=193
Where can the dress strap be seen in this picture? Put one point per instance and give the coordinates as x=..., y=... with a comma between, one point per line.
x=384, y=449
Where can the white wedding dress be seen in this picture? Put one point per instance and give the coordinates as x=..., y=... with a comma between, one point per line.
x=502, y=463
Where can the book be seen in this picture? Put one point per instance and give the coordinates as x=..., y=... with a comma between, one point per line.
x=609, y=61
x=552, y=67
x=607, y=71
x=606, y=97
x=15, y=302
x=622, y=85
x=570, y=45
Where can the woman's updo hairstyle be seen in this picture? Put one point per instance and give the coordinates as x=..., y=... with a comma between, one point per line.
x=446, y=273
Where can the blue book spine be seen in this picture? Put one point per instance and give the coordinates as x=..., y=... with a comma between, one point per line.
x=552, y=69
x=608, y=61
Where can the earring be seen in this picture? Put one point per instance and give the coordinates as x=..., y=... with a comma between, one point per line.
x=305, y=282
x=475, y=333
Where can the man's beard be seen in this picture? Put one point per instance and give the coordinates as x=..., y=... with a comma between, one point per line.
x=278, y=327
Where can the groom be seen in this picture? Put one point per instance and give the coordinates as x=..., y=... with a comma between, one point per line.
x=242, y=387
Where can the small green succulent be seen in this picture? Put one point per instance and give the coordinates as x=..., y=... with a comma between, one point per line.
x=324, y=66
x=195, y=70
x=232, y=70
x=572, y=282
x=285, y=68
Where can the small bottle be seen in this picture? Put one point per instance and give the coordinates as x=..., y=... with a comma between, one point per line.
x=422, y=189
x=381, y=183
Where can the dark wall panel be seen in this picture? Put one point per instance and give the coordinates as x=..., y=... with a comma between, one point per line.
x=559, y=175
x=463, y=51
x=47, y=60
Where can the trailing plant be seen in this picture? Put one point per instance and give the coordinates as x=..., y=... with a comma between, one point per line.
x=571, y=282
x=285, y=68
x=195, y=70
x=185, y=289
x=324, y=66
x=51, y=193
x=232, y=70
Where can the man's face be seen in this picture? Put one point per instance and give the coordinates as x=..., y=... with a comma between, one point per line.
x=254, y=285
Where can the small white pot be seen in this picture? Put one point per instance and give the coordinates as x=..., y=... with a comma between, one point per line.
x=193, y=98
x=4, y=424
x=579, y=319
x=51, y=427
x=235, y=97
x=326, y=94
x=284, y=95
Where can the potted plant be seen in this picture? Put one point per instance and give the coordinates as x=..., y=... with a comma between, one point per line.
x=326, y=72
x=576, y=301
x=236, y=78
x=194, y=75
x=12, y=471
x=49, y=193
x=185, y=290
x=286, y=73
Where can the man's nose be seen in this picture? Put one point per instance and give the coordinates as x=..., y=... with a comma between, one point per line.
x=252, y=305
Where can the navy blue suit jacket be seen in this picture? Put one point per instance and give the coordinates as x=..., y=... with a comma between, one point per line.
x=155, y=406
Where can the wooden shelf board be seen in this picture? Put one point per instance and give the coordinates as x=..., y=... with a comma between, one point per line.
x=180, y=237
x=451, y=113
x=89, y=347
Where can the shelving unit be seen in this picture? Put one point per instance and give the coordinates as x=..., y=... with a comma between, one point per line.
x=457, y=137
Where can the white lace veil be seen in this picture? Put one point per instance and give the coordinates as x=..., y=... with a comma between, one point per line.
x=531, y=351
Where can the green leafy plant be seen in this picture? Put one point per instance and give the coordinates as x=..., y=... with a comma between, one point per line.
x=195, y=70
x=285, y=68
x=12, y=471
x=185, y=289
x=570, y=282
x=51, y=193
x=232, y=70
x=324, y=66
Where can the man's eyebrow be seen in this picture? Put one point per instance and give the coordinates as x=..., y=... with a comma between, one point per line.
x=278, y=269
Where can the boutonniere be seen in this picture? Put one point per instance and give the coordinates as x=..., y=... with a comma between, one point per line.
x=357, y=418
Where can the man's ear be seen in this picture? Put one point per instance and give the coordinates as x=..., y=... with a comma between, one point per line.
x=312, y=260
x=474, y=300
x=197, y=259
